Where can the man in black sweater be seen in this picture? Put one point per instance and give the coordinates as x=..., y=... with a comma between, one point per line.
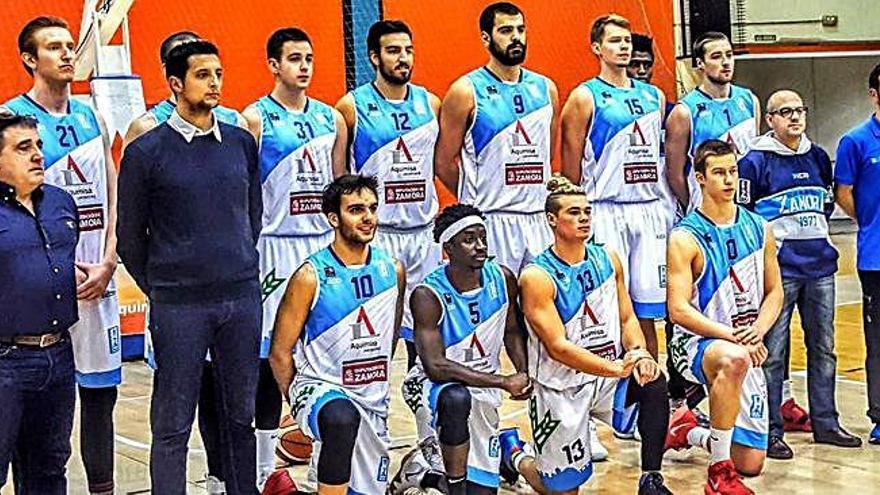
x=189, y=217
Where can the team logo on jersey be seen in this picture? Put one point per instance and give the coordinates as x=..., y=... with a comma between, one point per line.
x=270, y=284
x=746, y=312
x=732, y=142
x=528, y=168
x=73, y=175
x=362, y=328
x=401, y=153
x=756, y=406
x=305, y=163
x=410, y=187
x=382, y=475
x=520, y=136
x=475, y=351
x=640, y=160
x=542, y=428
x=588, y=317
x=113, y=339
x=75, y=182
x=365, y=371
x=91, y=217
x=744, y=191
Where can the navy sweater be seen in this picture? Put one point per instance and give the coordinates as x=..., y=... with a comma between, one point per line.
x=190, y=214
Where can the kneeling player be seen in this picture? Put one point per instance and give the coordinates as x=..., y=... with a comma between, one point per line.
x=725, y=293
x=342, y=310
x=464, y=312
x=581, y=321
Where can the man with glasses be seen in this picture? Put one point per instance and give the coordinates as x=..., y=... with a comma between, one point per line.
x=787, y=179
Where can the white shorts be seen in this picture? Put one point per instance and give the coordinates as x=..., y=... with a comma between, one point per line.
x=370, y=461
x=637, y=231
x=97, y=341
x=419, y=254
x=752, y=423
x=516, y=239
x=279, y=257
x=484, y=452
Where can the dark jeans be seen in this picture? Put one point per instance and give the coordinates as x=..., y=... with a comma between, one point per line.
x=871, y=321
x=37, y=398
x=814, y=299
x=182, y=334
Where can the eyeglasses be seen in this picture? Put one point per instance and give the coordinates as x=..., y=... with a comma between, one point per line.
x=787, y=112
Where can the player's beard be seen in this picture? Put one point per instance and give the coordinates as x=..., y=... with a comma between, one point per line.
x=354, y=237
x=718, y=81
x=504, y=56
x=393, y=78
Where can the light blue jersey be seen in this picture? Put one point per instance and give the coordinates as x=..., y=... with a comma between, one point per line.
x=296, y=163
x=163, y=110
x=347, y=337
x=621, y=161
x=506, y=154
x=394, y=141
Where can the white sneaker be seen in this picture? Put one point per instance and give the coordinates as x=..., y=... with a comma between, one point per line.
x=431, y=451
x=598, y=452
x=214, y=486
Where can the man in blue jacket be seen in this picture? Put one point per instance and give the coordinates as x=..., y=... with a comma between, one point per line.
x=787, y=179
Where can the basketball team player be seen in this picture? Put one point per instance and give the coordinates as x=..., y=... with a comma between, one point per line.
x=715, y=109
x=500, y=119
x=76, y=146
x=587, y=355
x=465, y=312
x=342, y=309
x=725, y=293
x=160, y=112
x=392, y=126
x=302, y=148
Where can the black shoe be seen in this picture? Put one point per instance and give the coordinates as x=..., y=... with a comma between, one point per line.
x=838, y=438
x=652, y=484
x=778, y=449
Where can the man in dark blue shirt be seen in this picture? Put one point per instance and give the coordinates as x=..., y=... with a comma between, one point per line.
x=38, y=236
x=858, y=180
x=786, y=179
x=190, y=206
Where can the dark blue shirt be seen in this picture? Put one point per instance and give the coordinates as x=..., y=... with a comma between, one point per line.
x=858, y=165
x=37, y=262
x=190, y=214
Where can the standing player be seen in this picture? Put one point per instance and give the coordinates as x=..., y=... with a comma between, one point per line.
x=725, y=293
x=302, y=147
x=77, y=159
x=716, y=109
x=160, y=112
x=392, y=125
x=501, y=120
x=581, y=322
x=464, y=312
x=342, y=308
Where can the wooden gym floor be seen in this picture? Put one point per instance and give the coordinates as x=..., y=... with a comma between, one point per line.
x=815, y=469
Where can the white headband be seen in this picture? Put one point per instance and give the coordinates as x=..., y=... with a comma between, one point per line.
x=458, y=226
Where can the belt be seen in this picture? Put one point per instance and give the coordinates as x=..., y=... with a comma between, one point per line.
x=44, y=340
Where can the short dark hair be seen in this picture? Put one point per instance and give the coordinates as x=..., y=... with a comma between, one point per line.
x=381, y=28
x=173, y=40
x=26, y=41
x=275, y=45
x=560, y=186
x=452, y=214
x=643, y=43
x=487, y=16
x=597, y=30
x=178, y=58
x=705, y=39
x=874, y=78
x=331, y=198
x=709, y=148
x=9, y=119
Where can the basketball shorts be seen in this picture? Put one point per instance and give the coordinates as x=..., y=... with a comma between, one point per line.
x=419, y=254
x=637, y=231
x=97, y=341
x=752, y=423
x=370, y=461
x=280, y=256
x=484, y=452
x=516, y=239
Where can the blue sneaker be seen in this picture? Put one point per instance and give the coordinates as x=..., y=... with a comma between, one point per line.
x=510, y=443
x=875, y=435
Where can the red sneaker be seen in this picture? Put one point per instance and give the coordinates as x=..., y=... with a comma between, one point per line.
x=795, y=417
x=280, y=483
x=681, y=423
x=724, y=480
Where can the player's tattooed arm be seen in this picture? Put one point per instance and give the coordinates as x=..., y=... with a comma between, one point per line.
x=456, y=113
x=340, y=147
x=537, y=293
x=289, y=323
x=645, y=369
x=401, y=300
x=684, y=262
x=678, y=139
x=576, y=117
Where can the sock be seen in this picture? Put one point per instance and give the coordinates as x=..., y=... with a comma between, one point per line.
x=526, y=451
x=786, y=391
x=266, y=440
x=456, y=486
x=699, y=437
x=720, y=445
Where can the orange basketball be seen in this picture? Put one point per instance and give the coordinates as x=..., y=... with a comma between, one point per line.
x=294, y=447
